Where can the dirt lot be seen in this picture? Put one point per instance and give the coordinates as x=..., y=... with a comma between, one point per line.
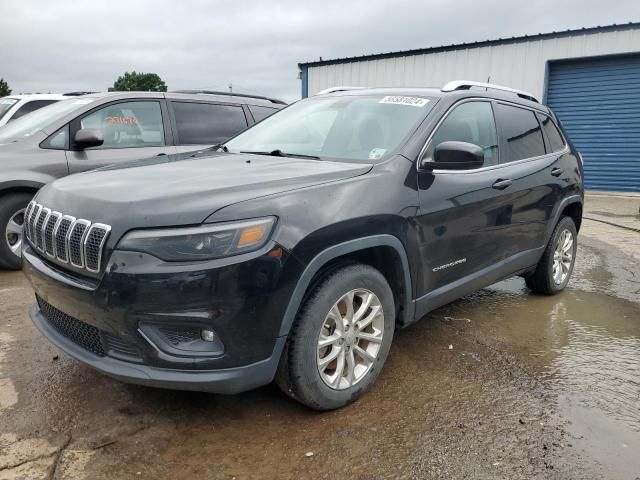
x=500, y=384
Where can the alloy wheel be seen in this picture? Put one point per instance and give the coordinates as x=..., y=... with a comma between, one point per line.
x=350, y=339
x=562, y=257
x=13, y=232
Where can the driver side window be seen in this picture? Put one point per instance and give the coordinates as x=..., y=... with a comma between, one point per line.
x=471, y=122
x=128, y=124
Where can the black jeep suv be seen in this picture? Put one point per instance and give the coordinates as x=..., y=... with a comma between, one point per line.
x=293, y=251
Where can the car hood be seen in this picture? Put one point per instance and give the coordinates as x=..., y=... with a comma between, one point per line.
x=183, y=189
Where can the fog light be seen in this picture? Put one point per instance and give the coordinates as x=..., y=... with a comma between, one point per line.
x=207, y=335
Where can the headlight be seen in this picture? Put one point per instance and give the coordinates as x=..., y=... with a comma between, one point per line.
x=201, y=243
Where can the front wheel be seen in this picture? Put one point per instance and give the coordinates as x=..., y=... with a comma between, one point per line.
x=340, y=339
x=556, y=265
x=12, y=208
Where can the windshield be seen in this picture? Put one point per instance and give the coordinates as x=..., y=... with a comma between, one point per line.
x=35, y=121
x=6, y=104
x=351, y=128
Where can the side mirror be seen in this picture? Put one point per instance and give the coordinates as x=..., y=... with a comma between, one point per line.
x=455, y=156
x=87, y=137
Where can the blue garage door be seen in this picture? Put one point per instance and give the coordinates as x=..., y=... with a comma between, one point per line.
x=598, y=103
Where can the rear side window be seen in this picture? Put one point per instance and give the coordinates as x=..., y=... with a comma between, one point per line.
x=30, y=107
x=521, y=133
x=471, y=122
x=128, y=124
x=261, y=112
x=556, y=142
x=207, y=123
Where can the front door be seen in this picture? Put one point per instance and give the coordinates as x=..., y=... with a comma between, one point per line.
x=464, y=214
x=131, y=129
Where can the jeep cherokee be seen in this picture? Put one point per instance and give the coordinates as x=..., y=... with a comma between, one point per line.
x=293, y=251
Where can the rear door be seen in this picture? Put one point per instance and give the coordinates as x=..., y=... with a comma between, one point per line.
x=198, y=125
x=132, y=129
x=533, y=174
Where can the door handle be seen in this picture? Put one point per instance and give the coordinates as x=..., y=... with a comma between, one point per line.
x=161, y=155
x=501, y=184
x=556, y=172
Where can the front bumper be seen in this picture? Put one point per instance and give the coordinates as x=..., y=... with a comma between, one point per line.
x=226, y=381
x=242, y=300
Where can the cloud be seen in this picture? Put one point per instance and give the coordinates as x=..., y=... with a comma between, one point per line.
x=255, y=45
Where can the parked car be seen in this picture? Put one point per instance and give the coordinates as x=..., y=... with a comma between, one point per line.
x=295, y=250
x=86, y=132
x=13, y=107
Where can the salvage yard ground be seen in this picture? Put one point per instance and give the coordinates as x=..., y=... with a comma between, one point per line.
x=500, y=384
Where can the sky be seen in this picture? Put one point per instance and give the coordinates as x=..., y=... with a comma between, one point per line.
x=61, y=46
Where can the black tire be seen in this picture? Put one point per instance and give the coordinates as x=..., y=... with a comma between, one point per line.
x=541, y=280
x=9, y=205
x=299, y=373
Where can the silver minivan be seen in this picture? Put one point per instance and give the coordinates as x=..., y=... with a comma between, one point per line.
x=90, y=131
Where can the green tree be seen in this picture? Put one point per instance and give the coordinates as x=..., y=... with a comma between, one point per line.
x=139, y=82
x=4, y=88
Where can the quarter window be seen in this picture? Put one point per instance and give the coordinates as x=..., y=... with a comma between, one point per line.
x=128, y=124
x=521, y=133
x=261, y=112
x=471, y=122
x=207, y=123
x=554, y=138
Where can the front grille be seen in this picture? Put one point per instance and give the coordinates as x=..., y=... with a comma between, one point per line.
x=83, y=334
x=65, y=238
x=176, y=336
x=118, y=347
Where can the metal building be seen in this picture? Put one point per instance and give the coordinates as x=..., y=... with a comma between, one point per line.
x=590, y=77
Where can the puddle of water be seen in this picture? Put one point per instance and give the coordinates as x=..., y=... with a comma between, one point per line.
x=585, y=348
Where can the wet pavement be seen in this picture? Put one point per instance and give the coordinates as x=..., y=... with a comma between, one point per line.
x=500, y=384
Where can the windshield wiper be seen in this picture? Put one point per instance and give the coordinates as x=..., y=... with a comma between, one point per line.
x=213, y=148
x=279, y=153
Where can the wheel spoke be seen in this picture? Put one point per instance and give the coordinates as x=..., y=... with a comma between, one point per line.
x=351, y=368
x=363, y=307
x=362, y=353
x=335, y=383
x=370, y=337
x=13, y=227
x=335, y=314
x=349, y=307
x=326, y=340
x=333, y=354
x=365, y=322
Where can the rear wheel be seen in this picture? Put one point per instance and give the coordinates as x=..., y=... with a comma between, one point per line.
x=12, y=208
x=556, y=265
x=340, y=339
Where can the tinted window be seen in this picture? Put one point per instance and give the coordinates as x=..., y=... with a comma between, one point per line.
x=31, y=106
x=471, y=122
x=556, y=142
x=6, y=104
x=521, y=133
x=261, y=112
x=207, y=123
x=128, y=124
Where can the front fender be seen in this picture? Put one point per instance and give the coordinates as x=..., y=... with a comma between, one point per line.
x=335, y=251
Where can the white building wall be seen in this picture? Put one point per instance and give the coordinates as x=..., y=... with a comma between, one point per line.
x=518, y=65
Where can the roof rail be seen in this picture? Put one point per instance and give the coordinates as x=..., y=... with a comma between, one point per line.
x=468, y=84
x=77, y=94
x=230, y=94
x=337, y=89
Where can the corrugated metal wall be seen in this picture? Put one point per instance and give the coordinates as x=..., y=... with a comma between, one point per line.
x=520, y=64
x=598, y=103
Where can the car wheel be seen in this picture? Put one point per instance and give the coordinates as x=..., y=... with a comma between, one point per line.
x=554, y=269
x=12, y=208
x=340, y=338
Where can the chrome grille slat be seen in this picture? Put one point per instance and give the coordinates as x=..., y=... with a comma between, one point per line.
x=65, y=238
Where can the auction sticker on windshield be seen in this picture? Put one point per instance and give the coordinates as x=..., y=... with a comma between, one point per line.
x=410, y=101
